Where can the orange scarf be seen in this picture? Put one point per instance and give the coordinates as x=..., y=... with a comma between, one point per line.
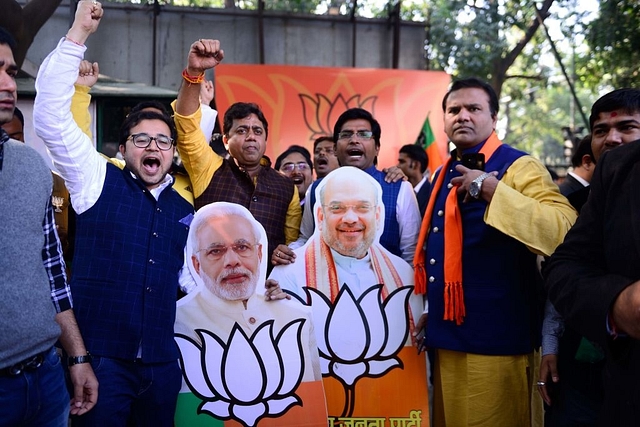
x=321, y=272
x=453, y=294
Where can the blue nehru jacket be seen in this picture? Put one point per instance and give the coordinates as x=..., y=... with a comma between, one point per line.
x=128, y=255
x=498, y=278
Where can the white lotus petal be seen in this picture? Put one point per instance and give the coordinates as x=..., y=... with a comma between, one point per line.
x=212, y=353
x=218, y=409
x=349, y=373
x=290, y=351
x=192, y=367
x=324, y=365
x=371, y=303
x=249, y=413
x=280, y=406
x=242, y=357
x=396, y=311
x=265, y=345
x=379, y=367
x=347, y=333
x=213, y=349
x=321, y=306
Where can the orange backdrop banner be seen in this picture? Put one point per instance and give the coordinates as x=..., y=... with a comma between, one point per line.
x=303, y=103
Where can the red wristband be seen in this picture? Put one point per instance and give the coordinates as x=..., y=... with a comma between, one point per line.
x=196, y=80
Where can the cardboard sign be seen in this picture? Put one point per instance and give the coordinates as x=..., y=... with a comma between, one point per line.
x=246, y=361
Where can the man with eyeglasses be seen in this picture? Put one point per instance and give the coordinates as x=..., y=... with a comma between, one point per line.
x=358, y=142
x=131, y=231
x=324, y=156
x=227, y=250
x=246, y=177
x=295, y=163
x=344, y=252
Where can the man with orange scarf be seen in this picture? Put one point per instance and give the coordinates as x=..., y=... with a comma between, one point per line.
x=476, y=261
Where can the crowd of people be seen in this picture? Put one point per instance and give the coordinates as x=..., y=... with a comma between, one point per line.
x=488, y=242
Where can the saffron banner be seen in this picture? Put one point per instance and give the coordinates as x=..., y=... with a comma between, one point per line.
x=303, y=103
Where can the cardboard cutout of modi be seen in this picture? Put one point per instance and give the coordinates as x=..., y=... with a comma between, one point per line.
x=364, y=308
x=245, y=361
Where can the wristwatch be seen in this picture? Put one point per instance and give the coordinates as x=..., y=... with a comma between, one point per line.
x=76, y=360
x=475, y=188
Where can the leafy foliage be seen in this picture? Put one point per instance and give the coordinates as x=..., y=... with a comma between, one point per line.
x=614, y=39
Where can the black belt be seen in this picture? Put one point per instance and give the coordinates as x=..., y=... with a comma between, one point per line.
x=29, y=364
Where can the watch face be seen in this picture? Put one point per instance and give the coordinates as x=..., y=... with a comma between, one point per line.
x=474, y=189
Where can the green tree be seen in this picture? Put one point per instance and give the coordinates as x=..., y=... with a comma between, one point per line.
x=614, y=39
x=25, y=22
x=483, y=38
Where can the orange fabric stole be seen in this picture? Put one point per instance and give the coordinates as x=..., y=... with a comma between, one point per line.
x=454, y=308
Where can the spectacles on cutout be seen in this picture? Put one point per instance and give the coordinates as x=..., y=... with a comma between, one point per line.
x=361, y=134
x=143, y=140
x=216, y=252
x=340, y=208
x=289, y=167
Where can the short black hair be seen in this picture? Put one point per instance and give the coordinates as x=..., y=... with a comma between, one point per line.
x=240, y=110
x=626, y=99
x=294, y=149
x=355, y=114
x=157, y=105
x=584, y=147
x=7, y=38
x=134, y=119
x=322, y=139
x=17, y=113
x=474, y=82
x=417, y=153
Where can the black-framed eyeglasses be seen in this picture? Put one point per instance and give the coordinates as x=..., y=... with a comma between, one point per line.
x=341, y=208
x=143, y=140
x=217, y=251
x=289, y=167
x=361, y=134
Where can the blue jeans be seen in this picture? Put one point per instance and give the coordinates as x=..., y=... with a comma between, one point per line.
x=133, y=394
x=36, y=397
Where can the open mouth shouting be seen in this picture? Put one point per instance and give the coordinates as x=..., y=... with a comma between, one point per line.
x=355, y=153
x=151, y=164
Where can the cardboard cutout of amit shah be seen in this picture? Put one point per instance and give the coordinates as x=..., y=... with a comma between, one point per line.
x=364, y=308
x=246, y=361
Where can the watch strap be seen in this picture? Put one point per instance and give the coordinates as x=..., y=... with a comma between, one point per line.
x=77, y=360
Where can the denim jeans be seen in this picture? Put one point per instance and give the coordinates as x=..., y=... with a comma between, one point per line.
x=36, y=397
x=133, y=394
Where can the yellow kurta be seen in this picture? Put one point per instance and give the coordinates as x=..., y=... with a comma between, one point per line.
x=202, y=162
x=482, y=390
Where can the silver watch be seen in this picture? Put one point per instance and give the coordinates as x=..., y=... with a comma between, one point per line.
x=475, y=188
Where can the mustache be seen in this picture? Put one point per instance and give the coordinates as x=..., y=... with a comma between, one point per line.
x=237, y=271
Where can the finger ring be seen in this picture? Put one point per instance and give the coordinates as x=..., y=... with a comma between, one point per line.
x=540, y=383
x=278, y=254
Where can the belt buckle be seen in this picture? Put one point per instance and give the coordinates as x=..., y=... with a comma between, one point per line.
x=30, y=364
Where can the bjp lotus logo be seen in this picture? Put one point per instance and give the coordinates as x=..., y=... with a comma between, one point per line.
x=360, y=338
x=216, y=372
x=321, y=113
